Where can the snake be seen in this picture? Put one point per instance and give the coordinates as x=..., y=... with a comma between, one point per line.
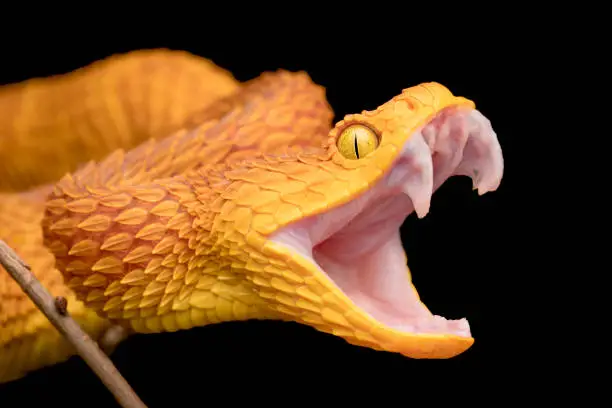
x=156, y=193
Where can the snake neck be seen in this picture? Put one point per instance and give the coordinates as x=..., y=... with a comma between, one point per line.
x=138, y=235
x=182, y=251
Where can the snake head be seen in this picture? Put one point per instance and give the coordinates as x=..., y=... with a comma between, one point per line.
x=310, y=234
x=345, y=250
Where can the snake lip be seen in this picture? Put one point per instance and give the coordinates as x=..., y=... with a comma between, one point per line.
x=358, y=244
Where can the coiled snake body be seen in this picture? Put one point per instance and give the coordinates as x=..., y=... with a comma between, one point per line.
x=157, y=193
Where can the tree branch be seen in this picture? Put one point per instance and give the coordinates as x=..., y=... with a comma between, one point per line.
x=56, y=312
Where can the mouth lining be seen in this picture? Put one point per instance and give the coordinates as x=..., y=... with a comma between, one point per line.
x=358, y=245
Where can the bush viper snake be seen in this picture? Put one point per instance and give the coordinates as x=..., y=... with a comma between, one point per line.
x=156, y=192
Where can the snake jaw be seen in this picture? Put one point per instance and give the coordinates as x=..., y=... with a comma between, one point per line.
x=463, y=143
x=482, y=155
x=458, y=142
x=357, y=246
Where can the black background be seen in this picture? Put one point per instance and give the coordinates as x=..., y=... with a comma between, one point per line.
x=463, y=255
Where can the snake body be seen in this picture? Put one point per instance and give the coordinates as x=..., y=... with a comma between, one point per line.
x=244, y=203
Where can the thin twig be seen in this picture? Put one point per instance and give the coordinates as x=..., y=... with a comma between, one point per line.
x=55, y=310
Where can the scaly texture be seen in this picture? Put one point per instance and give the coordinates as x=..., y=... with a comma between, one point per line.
x=114, y=103
x=232, y=216
x=167, y=241
x=129, y=248
x=27, y=339
x=60, y=121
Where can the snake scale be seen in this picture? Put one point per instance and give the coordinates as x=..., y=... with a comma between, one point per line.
x=157, y=193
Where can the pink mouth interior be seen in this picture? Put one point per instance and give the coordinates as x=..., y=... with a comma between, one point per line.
x=367, y=261
x=358, y=245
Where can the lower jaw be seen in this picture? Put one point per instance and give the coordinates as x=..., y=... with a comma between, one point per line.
x=368, y=300
x=388, y=296
x=366, y=261
x=325, y=303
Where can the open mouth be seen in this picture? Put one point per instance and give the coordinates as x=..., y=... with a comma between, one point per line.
x=358, y=245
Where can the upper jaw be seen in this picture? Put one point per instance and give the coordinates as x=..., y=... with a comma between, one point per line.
x=455, y=142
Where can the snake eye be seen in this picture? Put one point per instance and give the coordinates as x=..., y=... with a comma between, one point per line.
x=357, y=141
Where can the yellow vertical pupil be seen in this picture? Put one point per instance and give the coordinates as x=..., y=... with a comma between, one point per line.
x=357, y=141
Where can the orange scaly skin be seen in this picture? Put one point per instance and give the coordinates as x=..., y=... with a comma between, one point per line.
x=175, y=232
x=114, y=103
x=148, y=244
x=155, y=91
x=27, y=339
